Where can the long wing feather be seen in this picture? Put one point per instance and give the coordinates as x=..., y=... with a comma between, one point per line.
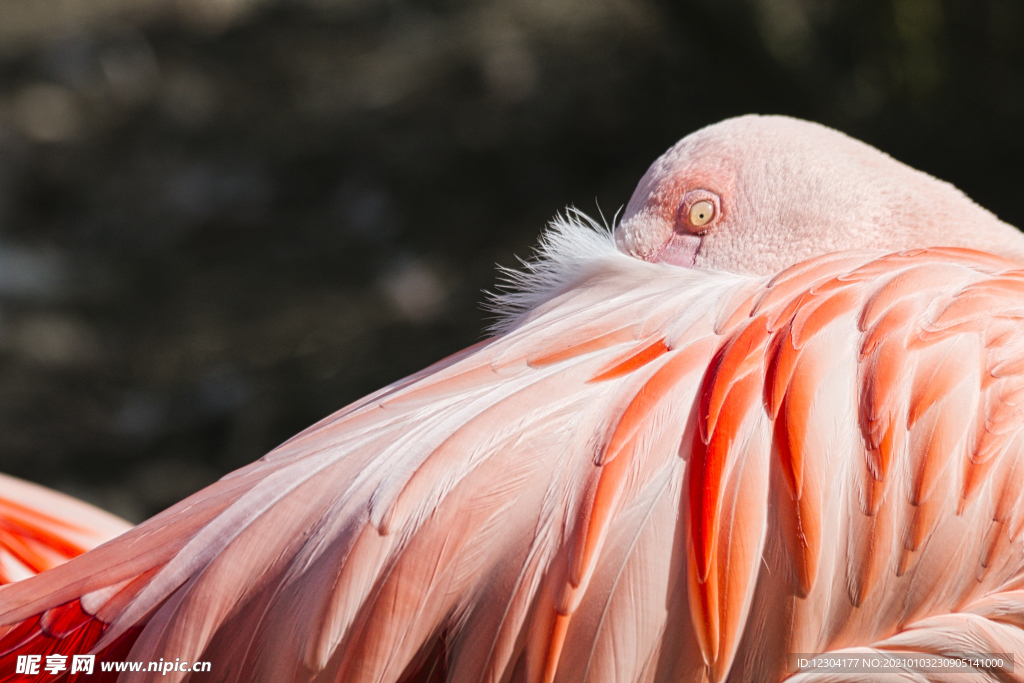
x=40, y=528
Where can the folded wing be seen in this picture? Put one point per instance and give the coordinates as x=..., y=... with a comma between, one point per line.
x=657, y=474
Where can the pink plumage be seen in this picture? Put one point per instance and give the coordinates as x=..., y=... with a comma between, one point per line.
x=777, y=411
x=40, y=529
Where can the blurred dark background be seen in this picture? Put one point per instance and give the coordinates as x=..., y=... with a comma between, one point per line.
x=221, y=220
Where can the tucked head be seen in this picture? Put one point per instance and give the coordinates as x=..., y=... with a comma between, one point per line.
x=757, y=194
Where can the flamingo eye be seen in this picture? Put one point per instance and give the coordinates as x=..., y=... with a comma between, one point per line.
x=701, y=213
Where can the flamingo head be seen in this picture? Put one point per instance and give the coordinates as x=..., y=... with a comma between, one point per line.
x=757, y=194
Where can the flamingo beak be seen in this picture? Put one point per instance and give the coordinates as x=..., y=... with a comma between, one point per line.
x=679, y=250
x=652, y=238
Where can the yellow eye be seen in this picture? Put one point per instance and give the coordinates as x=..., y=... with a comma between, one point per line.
x=701, y=213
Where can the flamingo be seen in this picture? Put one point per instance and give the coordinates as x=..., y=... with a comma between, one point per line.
x=777, y=410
